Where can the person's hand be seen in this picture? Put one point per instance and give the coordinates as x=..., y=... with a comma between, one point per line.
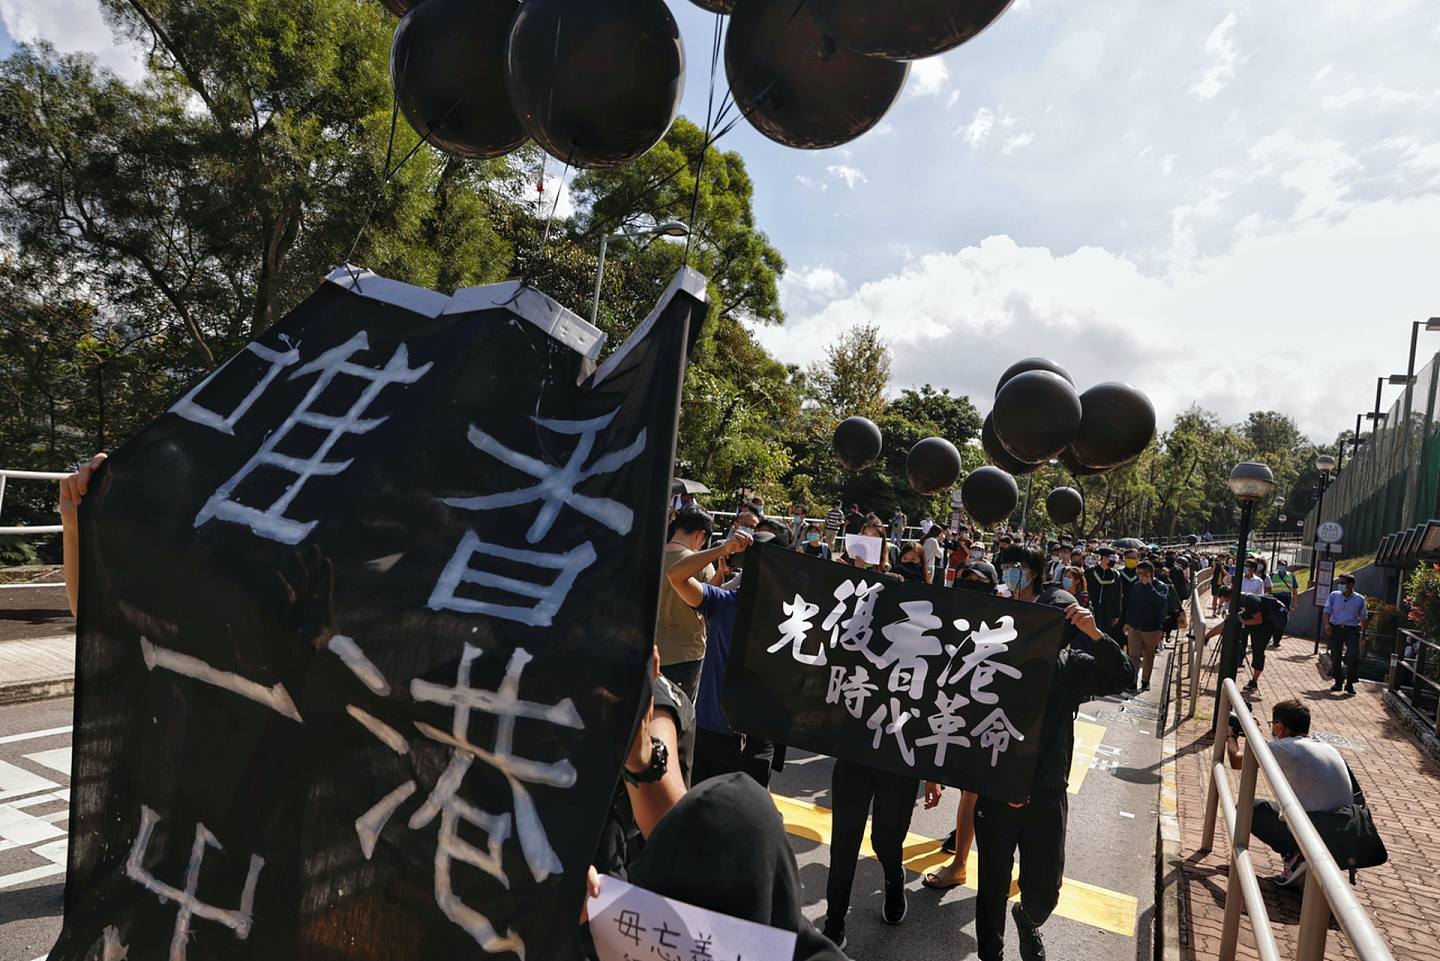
x=1018, y=805
x=1327, y=630
x=738, y=540
x=637, y=761
x=1083, y=620
x=932, y=794
x=592, y=890
x=74, y=487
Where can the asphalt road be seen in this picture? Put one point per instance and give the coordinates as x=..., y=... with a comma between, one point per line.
x=34, y=612
x=1107, y=909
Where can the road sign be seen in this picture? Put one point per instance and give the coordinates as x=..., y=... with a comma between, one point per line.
x=1324, y=575
x=1330, y=532
x=1325, y=547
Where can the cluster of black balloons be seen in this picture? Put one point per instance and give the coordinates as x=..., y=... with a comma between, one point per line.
x=1038, y=415
x=597, y=83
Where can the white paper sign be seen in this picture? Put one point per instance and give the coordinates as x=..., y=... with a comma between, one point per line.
x=633, y=924
x=864, y=548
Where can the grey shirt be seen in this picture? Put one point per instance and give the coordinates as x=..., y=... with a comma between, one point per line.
x=1316, y=772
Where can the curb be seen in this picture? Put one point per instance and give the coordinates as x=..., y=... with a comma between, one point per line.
x=1171, y=941
x=37, y=689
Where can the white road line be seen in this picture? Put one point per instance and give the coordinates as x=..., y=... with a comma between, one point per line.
x=1127, y=814
x=56, y=760
x=31, y=735
x=1083, y=716
x=17, y=782
x=34, y=874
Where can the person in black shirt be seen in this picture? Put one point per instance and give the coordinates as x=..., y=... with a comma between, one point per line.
x=1263, y=617
x=1106, y=593
x=854, y=520
x=1037, y=827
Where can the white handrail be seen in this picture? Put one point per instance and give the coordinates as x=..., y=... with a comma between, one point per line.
x=1326, y=891
x=29, y=475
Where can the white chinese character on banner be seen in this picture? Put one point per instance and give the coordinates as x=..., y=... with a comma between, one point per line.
x=444, y=801
x=910, y=644
x=270, y=521
x=189, y=407
x=996, y=732
x=895, y=726
x=186, y=900
x=795, y=628
x=547, y=597
x=945, y=726
x=854, y=690
x=989, y=642
x=854, y=633
x=556, y=486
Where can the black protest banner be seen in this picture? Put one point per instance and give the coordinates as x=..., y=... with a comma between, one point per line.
x=945, y=685
x=364, y=631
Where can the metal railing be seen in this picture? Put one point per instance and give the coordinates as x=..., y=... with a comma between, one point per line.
x=29, y=475
x=1326, y=893
x=1423, y=689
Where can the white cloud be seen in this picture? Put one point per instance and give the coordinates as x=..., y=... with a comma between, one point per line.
x=955, y=319
x=73, y=26
x=1220, y=45
x=928, y=77
x=1167, y=164
x=978, y=130
x=810, y=183
x=810, y=288
x=850, y=176
x=1017, y=142
x=1379, y=97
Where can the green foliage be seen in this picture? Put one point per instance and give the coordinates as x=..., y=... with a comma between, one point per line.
x=1422, y=595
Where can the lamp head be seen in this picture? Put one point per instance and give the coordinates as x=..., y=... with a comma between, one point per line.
x=1251, y=482
x=672, y=228
x=1325, y=464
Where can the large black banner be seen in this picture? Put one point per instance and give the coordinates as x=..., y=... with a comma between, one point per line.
x=364, y=627
x=942, y=684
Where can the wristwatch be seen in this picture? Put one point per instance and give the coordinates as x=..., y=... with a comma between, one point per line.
x=659, y=764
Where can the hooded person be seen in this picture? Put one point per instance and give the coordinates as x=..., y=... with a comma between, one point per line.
x=693, y=856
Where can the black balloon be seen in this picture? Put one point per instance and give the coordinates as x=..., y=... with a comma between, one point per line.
x=1033, y=363
x=1036, y=415
x=447, y=64
x=933, y=465
x=399, y=7
x=1118, y=424
x=997, y=453
x=905, y=29
x=716, y=6
x=795, y=85
x=1073, y=465
x=595, y=82
x=857, y=442
x=1064, y=505
x=989, y=495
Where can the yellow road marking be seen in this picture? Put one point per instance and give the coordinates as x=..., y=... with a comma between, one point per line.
x=1088, y=737
x=1096, y=906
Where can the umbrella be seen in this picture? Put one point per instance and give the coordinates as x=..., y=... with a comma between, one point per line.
x=682, y=486
x=1130, y=543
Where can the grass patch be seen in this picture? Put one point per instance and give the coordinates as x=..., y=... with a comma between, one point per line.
x=1348, y=566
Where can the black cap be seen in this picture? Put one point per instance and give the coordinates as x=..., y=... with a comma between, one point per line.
x=983, y=569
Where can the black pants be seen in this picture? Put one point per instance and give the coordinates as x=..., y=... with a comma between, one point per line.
x=1269, y=828
x=717, y=754
x=1037, y=830
x=854, y=789
x=1344, y=640
x=685, y=675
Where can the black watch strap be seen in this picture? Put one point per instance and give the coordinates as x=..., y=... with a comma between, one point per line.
x=659, y=764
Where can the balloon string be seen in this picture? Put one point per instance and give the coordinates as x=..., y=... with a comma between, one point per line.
x=550, y=220
x=705, y=145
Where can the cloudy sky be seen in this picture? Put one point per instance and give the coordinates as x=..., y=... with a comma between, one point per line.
x=1219, y=201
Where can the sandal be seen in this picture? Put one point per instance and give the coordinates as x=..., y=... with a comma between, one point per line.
x=933, y=880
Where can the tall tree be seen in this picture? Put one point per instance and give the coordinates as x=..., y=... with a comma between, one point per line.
x=855, y=374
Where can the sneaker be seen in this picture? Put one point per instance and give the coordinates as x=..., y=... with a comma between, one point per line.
x=835, y=931
x=1144, y=687
x=896, y=903
x=948, y=845
x=1293, y=874
x=1032, y=946
x=1249, y=685
x=1349, y=688
x=1336, y=686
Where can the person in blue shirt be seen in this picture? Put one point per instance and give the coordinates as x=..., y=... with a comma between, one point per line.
x=1147, y=604
x=1344, y=615
x=718, y=749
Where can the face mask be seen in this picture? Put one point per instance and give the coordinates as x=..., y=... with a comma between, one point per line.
x=1068, y=583
x=977, y=555
x=1016, y=578
x=813, y=537
x=1130, y=563
x=969, y=585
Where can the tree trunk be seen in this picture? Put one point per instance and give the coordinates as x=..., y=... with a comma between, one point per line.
x=100, y=407
x=279, y=237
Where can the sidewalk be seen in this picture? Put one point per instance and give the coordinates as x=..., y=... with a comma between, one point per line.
x=33, y=669
x=1402, y=787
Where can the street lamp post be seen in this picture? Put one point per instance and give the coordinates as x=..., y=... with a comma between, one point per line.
x=1275, y=551
x=1025, y=515
x=1250, y=483
x=670, y=228
x=1433, y=324
x=1327, y=466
